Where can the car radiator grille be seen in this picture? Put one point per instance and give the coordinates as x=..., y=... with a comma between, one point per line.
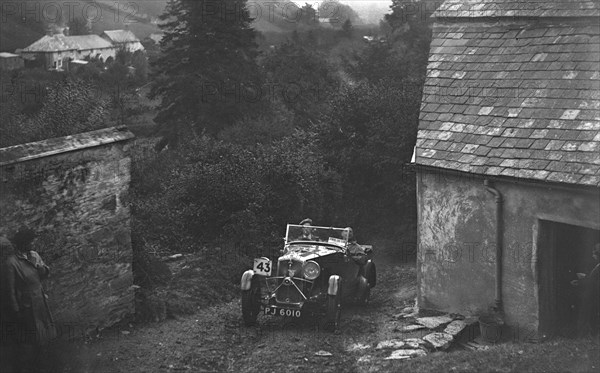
x=288, y=293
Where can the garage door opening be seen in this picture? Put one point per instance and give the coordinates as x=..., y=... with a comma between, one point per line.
x=563, y=251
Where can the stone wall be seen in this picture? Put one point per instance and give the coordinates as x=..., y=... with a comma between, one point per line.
x=457, y=252
x=73, y=191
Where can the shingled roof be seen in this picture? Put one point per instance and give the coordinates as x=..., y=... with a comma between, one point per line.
x=121, y=36
x=60, y=42
x=517, y=96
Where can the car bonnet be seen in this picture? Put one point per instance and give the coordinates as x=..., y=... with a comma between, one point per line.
x=307, y=252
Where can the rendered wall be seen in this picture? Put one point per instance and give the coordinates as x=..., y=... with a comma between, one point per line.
x=73, y=192
x=456, y=232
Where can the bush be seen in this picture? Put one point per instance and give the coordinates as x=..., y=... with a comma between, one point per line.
x=67, y=107
x=367, y=140
x=212, y=191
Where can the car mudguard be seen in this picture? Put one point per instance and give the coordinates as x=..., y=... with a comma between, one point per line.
x=334, y=284
x=246, y=282
x=369, y=271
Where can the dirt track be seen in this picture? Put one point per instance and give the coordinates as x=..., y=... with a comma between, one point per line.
x=215, y=339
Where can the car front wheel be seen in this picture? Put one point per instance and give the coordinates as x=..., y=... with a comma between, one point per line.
x=250, y=305
x=333, y=310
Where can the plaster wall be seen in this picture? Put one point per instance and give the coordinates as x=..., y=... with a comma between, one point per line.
x=456, y=253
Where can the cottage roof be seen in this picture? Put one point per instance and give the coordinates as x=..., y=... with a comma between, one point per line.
x=121, y=36
x=60, y=42
x=90, y=42
x=54, y=43
x=519, y=97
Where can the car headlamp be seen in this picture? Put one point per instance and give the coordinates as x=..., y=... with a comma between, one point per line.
x=311, y=270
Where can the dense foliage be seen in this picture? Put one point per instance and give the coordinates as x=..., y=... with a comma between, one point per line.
x=328, y=135
x=337, y=152
x=207, y=68
x=37, y=104
x=215, y=191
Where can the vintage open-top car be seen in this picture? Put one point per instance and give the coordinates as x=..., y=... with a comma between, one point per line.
x=319, y=267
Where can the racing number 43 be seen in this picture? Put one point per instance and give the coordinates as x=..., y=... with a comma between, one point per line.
x=262, y=266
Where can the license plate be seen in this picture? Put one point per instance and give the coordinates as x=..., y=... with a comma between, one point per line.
x=262, y=266
x=282, y=312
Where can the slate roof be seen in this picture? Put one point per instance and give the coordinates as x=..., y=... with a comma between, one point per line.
x=54, y=43
x=90, y=42
x=121, y=36
x=519, y=98
x=60, y=42
x=518, y=8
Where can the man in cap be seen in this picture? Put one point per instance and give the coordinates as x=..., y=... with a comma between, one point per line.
x=307, y=231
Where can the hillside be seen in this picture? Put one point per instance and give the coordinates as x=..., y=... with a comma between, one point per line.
x=19, y=28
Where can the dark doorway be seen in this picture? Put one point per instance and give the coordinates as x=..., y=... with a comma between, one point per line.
x=563, y=251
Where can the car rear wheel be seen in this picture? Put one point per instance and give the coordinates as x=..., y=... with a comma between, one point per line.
x=251, y=304
x=333, y=310
x=364, y=291
x=371, y=274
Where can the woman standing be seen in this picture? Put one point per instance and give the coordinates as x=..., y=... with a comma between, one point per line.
x=27, y=306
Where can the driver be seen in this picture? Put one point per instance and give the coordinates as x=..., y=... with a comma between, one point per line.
x=356, y=251
x=307, y=231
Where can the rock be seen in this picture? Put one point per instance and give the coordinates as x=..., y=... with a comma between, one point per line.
x=439, y=340
x=411, y=328
x=414, y=340
x=125, y=332
x=405, y=354
x=414, y=343
x=405, y=315
x=364, y=359
x=433, y=322
x=357, y=347
x=173, y=257
x=408, y=310
x=455, y=327
x=323, y=353
x=392, y=343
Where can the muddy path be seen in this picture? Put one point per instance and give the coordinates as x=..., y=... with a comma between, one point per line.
x=215, y=340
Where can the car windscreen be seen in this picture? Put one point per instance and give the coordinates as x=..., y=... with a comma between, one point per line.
x=330, y=235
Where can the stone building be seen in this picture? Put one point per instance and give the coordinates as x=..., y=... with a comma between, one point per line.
x=508, y=160
x=124, y=39
x=73, y=192
x=57, y=49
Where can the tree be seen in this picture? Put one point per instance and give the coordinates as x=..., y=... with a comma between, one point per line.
x=78, y=26
x=366, y=138
x=140, y=62
x=206, y=76
x=338, y=13
x=308, y=15
x=402, y=57
x=305, y=79
x=347, y=28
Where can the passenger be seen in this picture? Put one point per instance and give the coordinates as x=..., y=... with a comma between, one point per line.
x=356, y=251
x=23, y=273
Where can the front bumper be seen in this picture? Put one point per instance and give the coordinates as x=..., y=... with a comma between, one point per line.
x=291, y=294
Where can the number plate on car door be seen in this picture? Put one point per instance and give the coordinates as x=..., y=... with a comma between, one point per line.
x=262, y=266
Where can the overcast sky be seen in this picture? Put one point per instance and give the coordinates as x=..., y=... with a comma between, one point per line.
x=368, y=10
